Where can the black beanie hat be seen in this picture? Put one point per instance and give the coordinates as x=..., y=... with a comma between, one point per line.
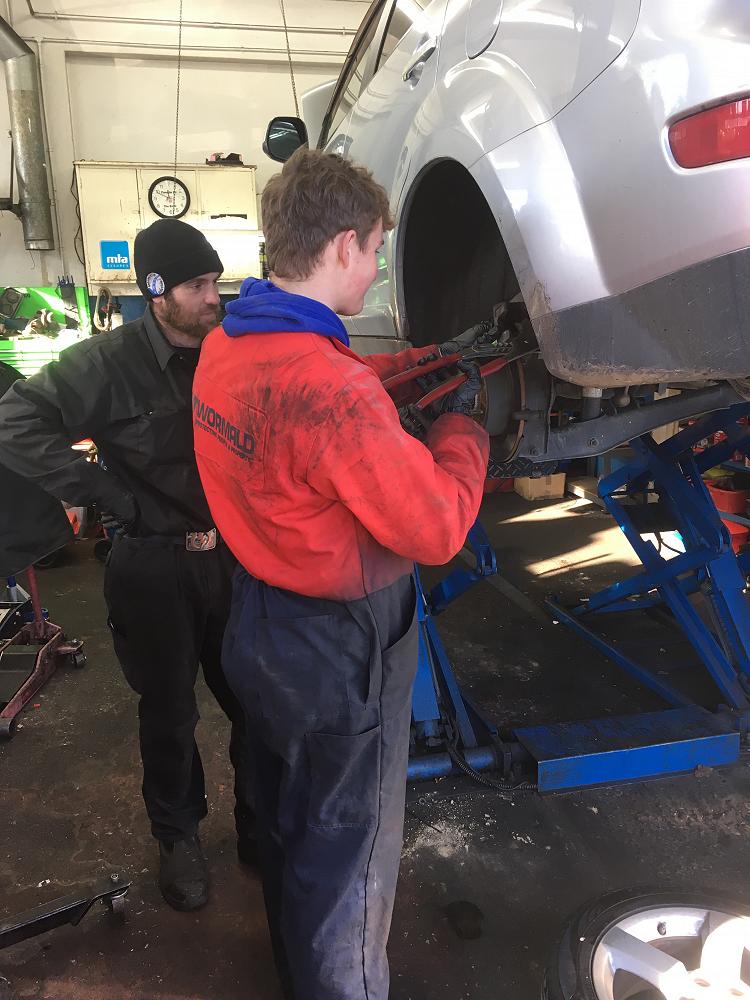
x=169, y=252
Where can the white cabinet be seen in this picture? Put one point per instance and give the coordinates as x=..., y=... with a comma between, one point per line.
x=114, y=206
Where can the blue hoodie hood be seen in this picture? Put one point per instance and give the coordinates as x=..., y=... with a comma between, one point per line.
x=264, y=308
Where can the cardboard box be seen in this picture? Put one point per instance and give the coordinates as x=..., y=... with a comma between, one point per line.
x=544, y=488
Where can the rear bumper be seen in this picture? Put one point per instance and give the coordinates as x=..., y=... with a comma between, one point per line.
x=688, y=326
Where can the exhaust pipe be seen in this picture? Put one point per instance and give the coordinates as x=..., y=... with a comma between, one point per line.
x=28, y=139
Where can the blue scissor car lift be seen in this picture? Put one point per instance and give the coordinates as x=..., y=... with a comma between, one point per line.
x=444, y=722
x=449, y=730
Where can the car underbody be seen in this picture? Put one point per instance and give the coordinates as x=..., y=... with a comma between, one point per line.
x=536, y=420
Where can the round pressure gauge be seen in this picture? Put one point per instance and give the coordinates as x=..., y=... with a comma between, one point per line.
x=169, y=197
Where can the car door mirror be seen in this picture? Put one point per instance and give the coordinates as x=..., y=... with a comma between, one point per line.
x=284, y=136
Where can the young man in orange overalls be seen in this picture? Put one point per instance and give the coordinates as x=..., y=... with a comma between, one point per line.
x=326, y=502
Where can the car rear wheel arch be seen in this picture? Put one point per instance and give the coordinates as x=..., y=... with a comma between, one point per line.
x=452, y=261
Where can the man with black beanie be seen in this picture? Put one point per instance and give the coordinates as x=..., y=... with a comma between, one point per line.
x=168, y=579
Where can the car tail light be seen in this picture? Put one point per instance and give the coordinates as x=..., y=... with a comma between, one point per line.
x=712, y=136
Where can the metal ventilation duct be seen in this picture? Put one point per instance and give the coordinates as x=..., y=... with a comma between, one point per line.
x=28, y=139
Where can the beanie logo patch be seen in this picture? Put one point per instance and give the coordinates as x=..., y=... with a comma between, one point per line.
x=155, y=283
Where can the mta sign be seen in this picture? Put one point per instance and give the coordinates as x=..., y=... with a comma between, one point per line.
x=115, y=255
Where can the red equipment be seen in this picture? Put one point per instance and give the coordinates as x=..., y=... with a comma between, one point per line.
x=30, y=653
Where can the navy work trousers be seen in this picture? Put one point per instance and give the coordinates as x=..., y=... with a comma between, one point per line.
x=326, y=687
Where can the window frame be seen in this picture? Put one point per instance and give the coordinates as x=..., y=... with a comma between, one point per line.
x=379, y=63
x=372, y=17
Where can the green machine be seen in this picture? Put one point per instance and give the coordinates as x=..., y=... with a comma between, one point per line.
x=36, y=324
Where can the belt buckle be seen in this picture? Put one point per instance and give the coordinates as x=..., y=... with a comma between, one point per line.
x=200, y=541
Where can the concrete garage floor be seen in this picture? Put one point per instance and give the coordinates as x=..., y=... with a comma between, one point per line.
x=72, y=806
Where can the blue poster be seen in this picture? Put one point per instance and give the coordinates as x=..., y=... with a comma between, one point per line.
x=115, y=255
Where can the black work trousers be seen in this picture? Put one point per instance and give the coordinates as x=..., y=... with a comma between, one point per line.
x=168, y=609
x=327, y=690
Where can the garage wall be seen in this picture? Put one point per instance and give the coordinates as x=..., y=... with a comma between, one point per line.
x=123, y=107
x=109, y=80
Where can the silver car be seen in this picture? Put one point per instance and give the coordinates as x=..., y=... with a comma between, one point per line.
x=586, y=163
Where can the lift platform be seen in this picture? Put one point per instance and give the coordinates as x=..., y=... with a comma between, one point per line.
x=700, y=590
x=446, y=726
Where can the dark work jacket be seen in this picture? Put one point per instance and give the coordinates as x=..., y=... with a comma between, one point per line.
x=32, y=523
x=130, y=391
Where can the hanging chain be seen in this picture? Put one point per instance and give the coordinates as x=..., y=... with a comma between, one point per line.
x=177, y=104
x=289, y=57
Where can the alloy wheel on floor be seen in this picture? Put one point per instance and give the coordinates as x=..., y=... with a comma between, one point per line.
x=642, y=944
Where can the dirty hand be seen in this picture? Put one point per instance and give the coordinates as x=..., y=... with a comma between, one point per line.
x=464, y=340
x=414, y=422
x=464, y=398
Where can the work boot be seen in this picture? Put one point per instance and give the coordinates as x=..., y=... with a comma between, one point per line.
x=183, y=874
